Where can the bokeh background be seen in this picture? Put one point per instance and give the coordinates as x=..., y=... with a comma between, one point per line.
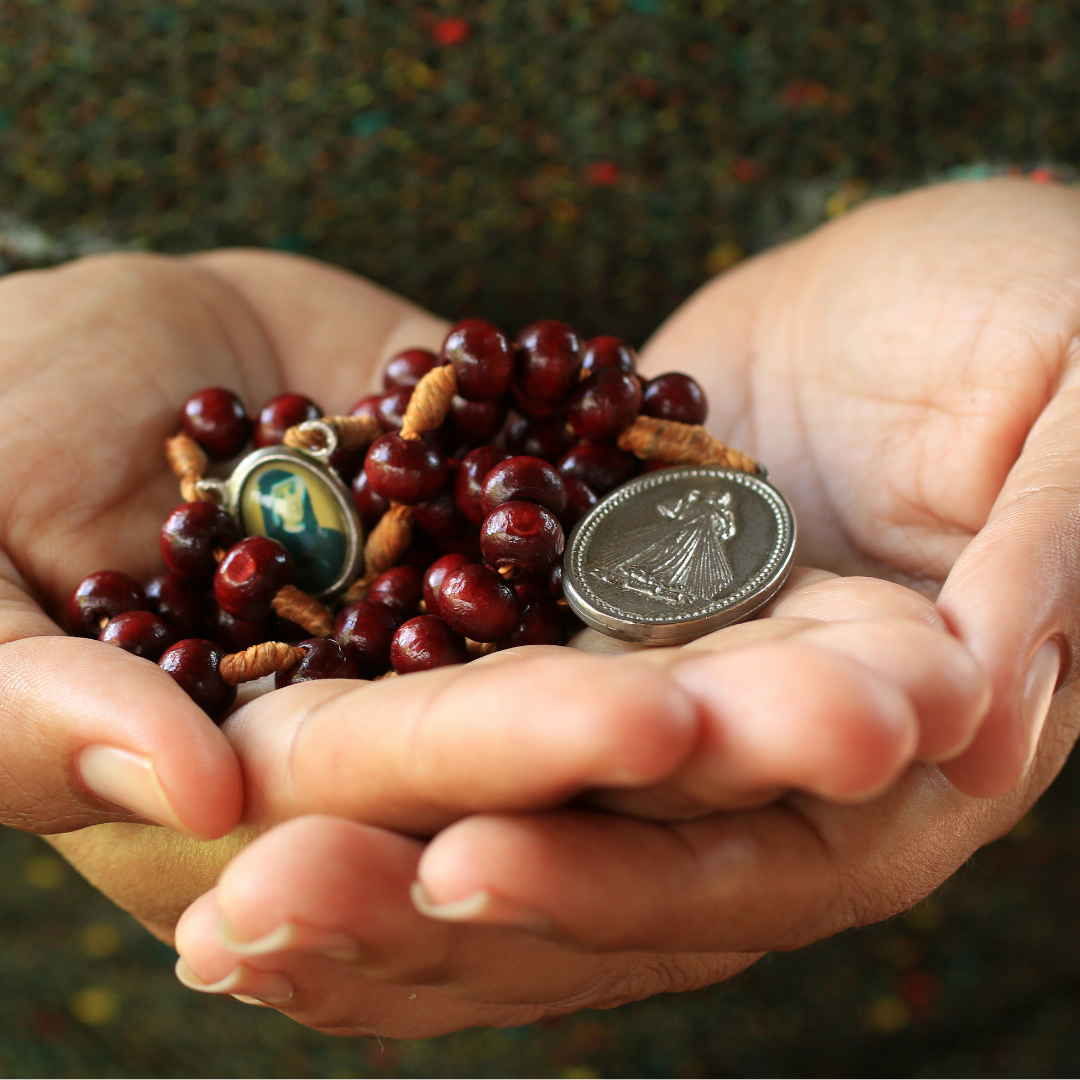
x=517, y=159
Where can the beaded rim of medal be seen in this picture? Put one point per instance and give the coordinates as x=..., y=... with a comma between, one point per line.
x=427, y=527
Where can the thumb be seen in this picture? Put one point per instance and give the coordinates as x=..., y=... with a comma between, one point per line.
x=1013, y=597
x=90, y=733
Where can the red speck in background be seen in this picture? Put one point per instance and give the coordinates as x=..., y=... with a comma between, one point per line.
x=451, y=31
x=603, y=173
x=919, y=989
x=1041, y=176
x=1019, y=16
x=745, y=171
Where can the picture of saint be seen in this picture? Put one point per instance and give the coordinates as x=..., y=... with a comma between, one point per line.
x=289, y=515
x=680, y=558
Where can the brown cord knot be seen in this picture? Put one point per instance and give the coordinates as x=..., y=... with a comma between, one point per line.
x=430, y=402
x=681, y=444
x=188, y=463
x=353, y=433
x=295, y=605
x=265, y=659
x=386, y=544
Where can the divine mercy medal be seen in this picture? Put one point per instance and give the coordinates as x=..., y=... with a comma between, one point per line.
x=678, y=553
x=294, y=497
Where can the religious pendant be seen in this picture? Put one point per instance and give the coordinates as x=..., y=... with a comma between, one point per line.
x=678, y=553
x=295, y=497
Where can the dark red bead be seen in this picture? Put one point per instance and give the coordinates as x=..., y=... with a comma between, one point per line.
x=524, y=535
x=399, y=589
x=482, y=359
x=236, y=635
x=524, y=478
x=476, y=602
x=406, y=470
x=545, y=439
x=608, y=352
x=367, y=406
x=216, y=420
x=536, y=408
x=195, y=536
x=250, y=575
x=369, y=503
x=541, y=622
x=433, y=578
x=364, y=629
x=675, y=396
x=424, y=643
x=323, y=658
x=281, y=413
x=477, y=422
x=440, y=518
x=555, y=581
x=140, y=632
x=602, y=467
x=580, y=499
x=180, y=602
x=469, y=483
x=604, y=405
x=548, y=361
x=392, y=406
x=100, y=597
x=194, y=663
x=408, y=368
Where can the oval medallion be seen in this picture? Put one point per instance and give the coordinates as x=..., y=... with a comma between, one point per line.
x=678, y=553
x=294, y=498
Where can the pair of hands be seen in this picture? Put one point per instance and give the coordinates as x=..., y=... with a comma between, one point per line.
x=909, y=376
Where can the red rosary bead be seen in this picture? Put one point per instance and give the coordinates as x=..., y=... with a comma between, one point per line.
x=100, y=597
x=482, y=359
x=194, y=663
x=608, y=352
x=549, y=358
x=424, y=643
x=677, y=397
x=323, y=658
x=408, y=368
x=527, y=478
x=250, y=575
x=140, y=632
x=476, y=602
x=194, y=537
x=405, y=470
x=216, y=420
x=281, y=413
x=523, y=535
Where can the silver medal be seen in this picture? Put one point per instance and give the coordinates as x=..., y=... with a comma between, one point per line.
x=678, y=553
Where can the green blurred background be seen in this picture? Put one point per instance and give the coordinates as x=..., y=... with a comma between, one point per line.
x=517, y=159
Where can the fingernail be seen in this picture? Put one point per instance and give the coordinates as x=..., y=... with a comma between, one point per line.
x=481, y=907
x=290, y=937
x=128, y=780
x=265, y=986
x=1039, y=686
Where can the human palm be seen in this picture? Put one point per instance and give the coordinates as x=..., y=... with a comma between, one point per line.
x=786, y=348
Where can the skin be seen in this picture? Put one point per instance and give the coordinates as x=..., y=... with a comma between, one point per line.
x=908, y=373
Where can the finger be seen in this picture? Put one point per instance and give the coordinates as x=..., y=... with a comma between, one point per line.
x=325, y=890
x=1014, y=595
x=778, y=877
x=740, y=882
x=90, y=733
x=528, y=728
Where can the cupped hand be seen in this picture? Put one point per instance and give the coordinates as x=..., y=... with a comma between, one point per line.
x=95, y=360
x=906, y=374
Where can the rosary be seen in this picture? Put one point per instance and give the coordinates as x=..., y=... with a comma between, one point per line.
x=422, y=529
